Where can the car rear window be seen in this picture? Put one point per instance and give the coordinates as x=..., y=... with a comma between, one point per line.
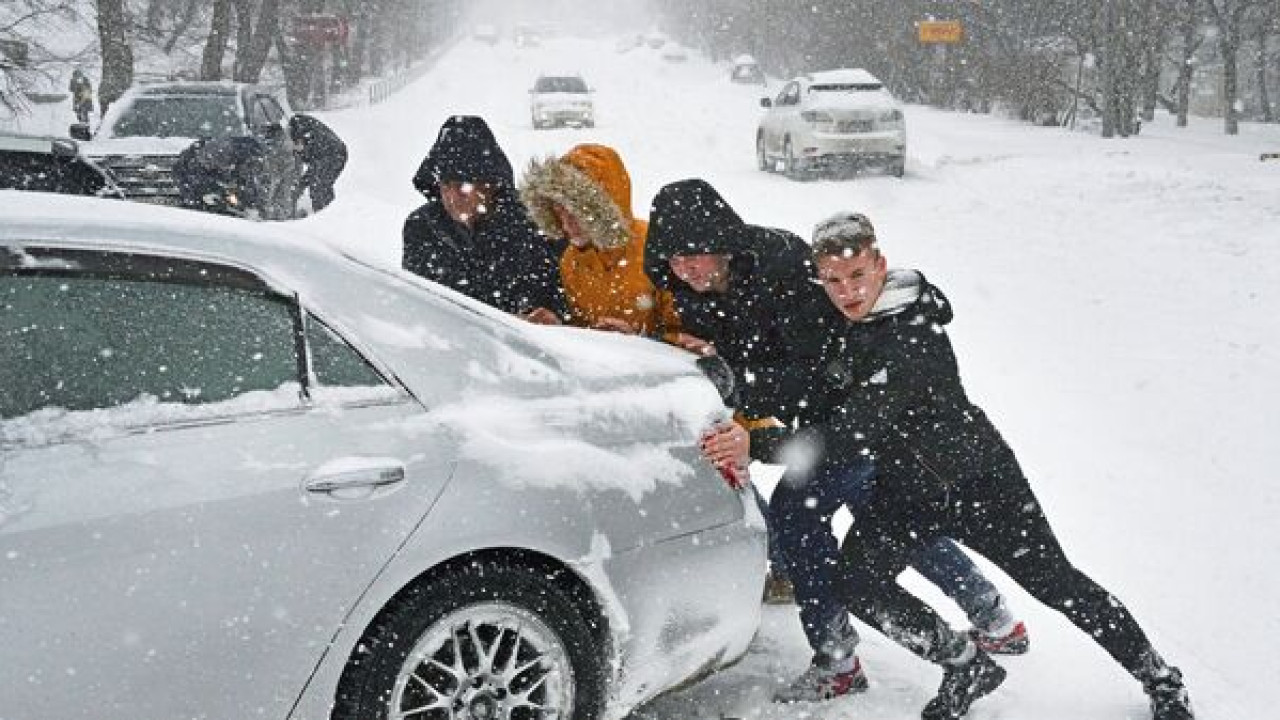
x=845, y=87
x=560, y=85
x=209, y=116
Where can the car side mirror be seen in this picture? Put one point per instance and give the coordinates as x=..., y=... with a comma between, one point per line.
x=79, y=131
x=766, y=103
x=271, y=131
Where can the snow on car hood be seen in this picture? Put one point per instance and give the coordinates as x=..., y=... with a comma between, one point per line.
x=135, y=146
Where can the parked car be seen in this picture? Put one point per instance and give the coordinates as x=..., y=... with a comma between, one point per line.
x=143, y=133
x=245, y=476
x=745, y=69
x=831, y=120
x=53, y=165
x=557, y=100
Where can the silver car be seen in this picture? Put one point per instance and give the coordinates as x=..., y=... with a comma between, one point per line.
x=245, y=476
x=831, y=120
x=556, y=100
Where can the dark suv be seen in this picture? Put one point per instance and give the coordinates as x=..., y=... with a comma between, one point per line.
x=142, y=135
x=52, y=165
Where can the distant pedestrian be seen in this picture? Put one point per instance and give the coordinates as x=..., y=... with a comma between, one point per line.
x=81, y=95
x=473, y=234
x=323, y=156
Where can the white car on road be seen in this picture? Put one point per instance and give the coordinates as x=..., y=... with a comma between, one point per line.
x=831, y=120
x=556, y=100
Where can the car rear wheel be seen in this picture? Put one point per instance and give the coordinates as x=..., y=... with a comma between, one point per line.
x=489, y=639
x=762, y=157
x=794, y=167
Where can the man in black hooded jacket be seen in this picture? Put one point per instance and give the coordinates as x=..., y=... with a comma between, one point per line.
x=323, y=156
x=473, y=234
x=747, y=293
x=944, y=471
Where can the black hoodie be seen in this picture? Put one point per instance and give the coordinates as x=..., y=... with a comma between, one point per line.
x=896, y=396
x=771, y=323
x=503, y=261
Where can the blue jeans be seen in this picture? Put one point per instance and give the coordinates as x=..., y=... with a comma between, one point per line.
x=799, y=520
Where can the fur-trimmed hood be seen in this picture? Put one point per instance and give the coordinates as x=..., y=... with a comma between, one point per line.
x=589, y=181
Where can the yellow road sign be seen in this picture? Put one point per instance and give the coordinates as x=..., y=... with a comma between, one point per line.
x=940, y=32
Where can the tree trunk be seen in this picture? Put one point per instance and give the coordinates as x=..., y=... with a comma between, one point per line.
x=260, y=46
x=1264, y=97
x=244, y=34
x=1186, y=69
x=117, y=54
x=295, y=73
x=215, y=48
x=1230, y=84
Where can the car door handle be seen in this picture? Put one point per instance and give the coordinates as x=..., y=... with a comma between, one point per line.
x=370, y=477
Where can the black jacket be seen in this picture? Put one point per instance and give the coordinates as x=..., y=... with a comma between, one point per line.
x=319, y=147
x=504, y=261
x=894, y=393
x=770, y=325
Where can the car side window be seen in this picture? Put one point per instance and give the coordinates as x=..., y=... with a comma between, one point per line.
x=335, y=363
x=90, y=342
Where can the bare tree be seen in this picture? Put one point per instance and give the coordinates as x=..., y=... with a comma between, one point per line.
x=215, y=47
x=117, y=52
x=1229, y=16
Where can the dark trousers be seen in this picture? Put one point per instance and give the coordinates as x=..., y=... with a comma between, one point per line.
x=799, y=518
x=997, y=515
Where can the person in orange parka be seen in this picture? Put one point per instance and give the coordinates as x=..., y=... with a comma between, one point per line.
x=584, y=198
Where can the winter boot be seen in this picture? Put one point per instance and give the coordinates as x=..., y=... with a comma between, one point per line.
x=1169, y=700
x=820, y=682
x=778, y=590
x=1014, y=642
x=962, y=683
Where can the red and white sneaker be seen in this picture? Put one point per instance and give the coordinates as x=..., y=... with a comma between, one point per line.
x=820, y=683
x=1015, y=642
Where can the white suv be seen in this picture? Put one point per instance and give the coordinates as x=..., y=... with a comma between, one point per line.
x=561, y=100
x=829, y=119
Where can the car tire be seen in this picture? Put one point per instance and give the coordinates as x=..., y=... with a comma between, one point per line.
x=794, y=169
x=416, y=653
x=762, y=157
x=898, y=167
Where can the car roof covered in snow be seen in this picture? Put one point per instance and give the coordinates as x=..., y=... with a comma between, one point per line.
x=848, y=76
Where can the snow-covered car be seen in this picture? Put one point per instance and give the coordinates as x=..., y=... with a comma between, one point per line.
x=143, y=133
x=556, y=100
x=53, y=165
x=832, y=119
x=745, y=69
x=243, y=475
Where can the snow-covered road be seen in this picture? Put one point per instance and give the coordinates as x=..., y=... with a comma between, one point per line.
x=1116, y=306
